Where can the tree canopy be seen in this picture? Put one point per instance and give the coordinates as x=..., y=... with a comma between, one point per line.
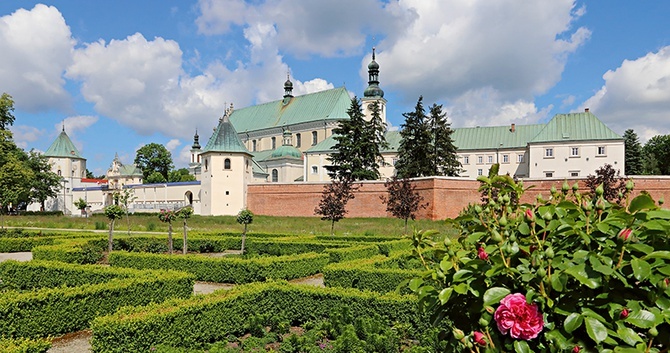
x=358, y=144
x=152, y=158
x=633, y=151
x=6, y=111
x=657, y=155
x=444, y=160
x=415, y=150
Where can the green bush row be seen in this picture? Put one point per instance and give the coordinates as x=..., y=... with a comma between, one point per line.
x=226, y=270
x=54, y=311
x=23, y=345
x=391, y=247
x=352, y=253
x=359, y=238
x=193, y=322
x=22, y=244
x=369, y=274
x=76, y=251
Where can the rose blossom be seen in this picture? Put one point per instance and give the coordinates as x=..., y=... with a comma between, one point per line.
x=479, y=338
x=520, y=319
x=481, y=253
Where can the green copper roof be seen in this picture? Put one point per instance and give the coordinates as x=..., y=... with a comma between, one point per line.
x=130, y=170
x=225, y=139
x=63, y=147
x=575, y=127
x=330, y=104
x=328, y=144
x=492, y=137
x=286, y=152
x=257, y=169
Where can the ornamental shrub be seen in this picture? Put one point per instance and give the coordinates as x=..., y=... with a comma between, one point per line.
x=571, y=273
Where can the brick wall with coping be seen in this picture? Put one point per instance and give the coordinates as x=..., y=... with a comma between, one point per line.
x=445, y=197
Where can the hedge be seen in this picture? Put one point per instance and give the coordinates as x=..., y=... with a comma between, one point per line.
x=193, y=322
x=75, y=251
x=226, y=270
x=369, y=274
x=359, y=238
x=22, y=244
x=352, y=253
x=23, y=345
x=53, y=311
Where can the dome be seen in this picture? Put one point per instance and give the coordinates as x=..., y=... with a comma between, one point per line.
x=288, y=84
x=286, y=152
x=373, y=91
x=373, y=65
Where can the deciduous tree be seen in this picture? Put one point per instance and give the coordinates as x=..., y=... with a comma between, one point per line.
x=334, y=199
x=403, y=201
x=168, y=216
x=178, y=175
x=613, y=185
x=45, y=183
x=658, y=149
x=245, y=217
x=112, y=212
x=152, y=158
x=6, y=111
x=185, y=213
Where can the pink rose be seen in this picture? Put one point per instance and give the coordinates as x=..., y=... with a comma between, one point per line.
x=520, y=319
x=481, y=253
x=530, y=216
x=625, y=233
x=479, y=338
x=624, y=314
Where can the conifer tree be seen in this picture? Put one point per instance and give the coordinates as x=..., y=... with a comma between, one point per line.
x=634, y=164
x=415, y=148
x=358, y=145
x=443, y=158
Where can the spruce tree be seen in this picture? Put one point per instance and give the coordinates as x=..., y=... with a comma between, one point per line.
x=443, y=157
x=634, y=163
x=358, y=145
x=415, y=150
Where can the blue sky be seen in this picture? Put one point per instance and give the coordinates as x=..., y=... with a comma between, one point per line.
x=125, y=73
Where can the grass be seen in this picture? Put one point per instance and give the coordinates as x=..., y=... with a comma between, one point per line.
x=261, y=224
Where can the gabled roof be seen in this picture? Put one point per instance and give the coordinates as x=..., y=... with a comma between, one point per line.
x=63, y=148
x=575, y=127
x=330, y=104
x=328, y=145
x=225, y=139
x=492, y=137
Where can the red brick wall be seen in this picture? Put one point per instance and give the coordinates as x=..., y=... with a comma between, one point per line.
x=445, y=197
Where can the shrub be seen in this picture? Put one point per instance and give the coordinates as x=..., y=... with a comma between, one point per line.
x=23, y=345
x=585, y=274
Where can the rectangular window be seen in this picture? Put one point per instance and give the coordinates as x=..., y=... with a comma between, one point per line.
x=549, y=153
x=574, y=152
x=253, y=146
x=298, y=140
x=519, y=158
x=480, y=172
x=315, y=169
x=274, y=142
x=549, y=174
x=315, y=138
x=601, y=150
x=505, y=158
x=574, y=174
x=480, y=159
x=490, y=159
x=466, y=159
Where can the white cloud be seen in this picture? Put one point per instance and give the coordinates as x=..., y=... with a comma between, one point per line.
x=24, y=135
x=37, y=46
x=311, y=86
x=636, y=95
x=455, y=51
x=182, y=159
x=74, y=125
x=172, y=145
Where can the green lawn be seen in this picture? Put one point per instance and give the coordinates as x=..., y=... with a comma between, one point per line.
x=261, y=224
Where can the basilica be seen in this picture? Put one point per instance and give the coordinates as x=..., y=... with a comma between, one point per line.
x=289, y=140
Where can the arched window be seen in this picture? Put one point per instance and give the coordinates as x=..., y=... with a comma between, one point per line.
x=314, y=138
x=59, y=172
x=274, y=142
x=253, y=146
x=275, y=175
x=298, y=140
x=206, y=164
x=226, y=163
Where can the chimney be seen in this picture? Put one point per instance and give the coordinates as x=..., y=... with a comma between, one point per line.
x=512, y=127
x=586, y=110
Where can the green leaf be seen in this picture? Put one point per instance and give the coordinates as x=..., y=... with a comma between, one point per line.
x=663, y=254
x=461, y=275
x=444, y=295
x=521, y=347
x=446, y=264
x=415, y=283
x=573, y=322
x=524, y=229
x=620, y=349
x=596, y=330
x=580, y=273
x=641, y=269
x=558, y=281
x=642, y=319
x=494, y=295
x=642, y=202
x=628, y=335
x=663, y=214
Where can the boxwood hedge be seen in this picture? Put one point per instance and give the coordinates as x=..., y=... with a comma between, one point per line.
x=23, y=345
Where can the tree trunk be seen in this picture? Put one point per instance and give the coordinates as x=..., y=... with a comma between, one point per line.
x=128, y=221
x=110, y=240
x=185, y=246
x=244, y=238
x=405, y=226
x=170, y=246
x=332, y=228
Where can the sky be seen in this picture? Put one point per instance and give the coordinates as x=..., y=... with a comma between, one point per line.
x=121, y=74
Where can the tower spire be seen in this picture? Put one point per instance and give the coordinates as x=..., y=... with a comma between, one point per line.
x=288, y=87
x=373, y=90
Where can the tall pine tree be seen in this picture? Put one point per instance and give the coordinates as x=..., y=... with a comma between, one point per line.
x=634, y=162
x=415, y=150
x=358, y=146
x=443, y=158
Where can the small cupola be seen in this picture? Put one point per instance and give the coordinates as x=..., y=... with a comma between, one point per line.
x=373, y=90
x=196, y=141
x=288, y=89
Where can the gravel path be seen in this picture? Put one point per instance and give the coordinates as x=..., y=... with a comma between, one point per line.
x=18, y=256
x=77, y=342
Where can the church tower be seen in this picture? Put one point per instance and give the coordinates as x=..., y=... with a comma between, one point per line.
x=226, y=170
x=373, y=93
x=194, y=165
x=68, y=163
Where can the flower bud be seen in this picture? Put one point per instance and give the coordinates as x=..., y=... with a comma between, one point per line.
x=624, y=314
x=447, y=241
x=512, y=237
x=530, y=215
x=549, y=253
x=565, y=187
x=553, y=190
x=540, y=199
x=630, y=185
x=478, y=337
x=575, y=187
x=541, y=272
x=505, y=199
x=483, y=322
x=624, y=234
x=576, y=349
x=600, y=190
x=489, y=309
x=503, y=221
x=458, y=334
x=586, y=206
x=478, y=209
x=664, y=283
x=481, y=253
x=495, y=236
x=600, y=204
x=661, y=201
x=620, y=195
x=653, y=332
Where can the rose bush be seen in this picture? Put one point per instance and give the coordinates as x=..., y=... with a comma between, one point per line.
x=568, y=274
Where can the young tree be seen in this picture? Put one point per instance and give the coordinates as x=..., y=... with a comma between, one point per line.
x=185, y=213
x=633, y=152
x=358, y=145
x=81, y=205
x=113, y=212
x=46, y=183
x=444, y=160
x=152, y=158
x=613, y=185
x=403, y=200
x=415, y=145
x=167, y=216
x=124, y=198
x=245, y=217
x=334, y=200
